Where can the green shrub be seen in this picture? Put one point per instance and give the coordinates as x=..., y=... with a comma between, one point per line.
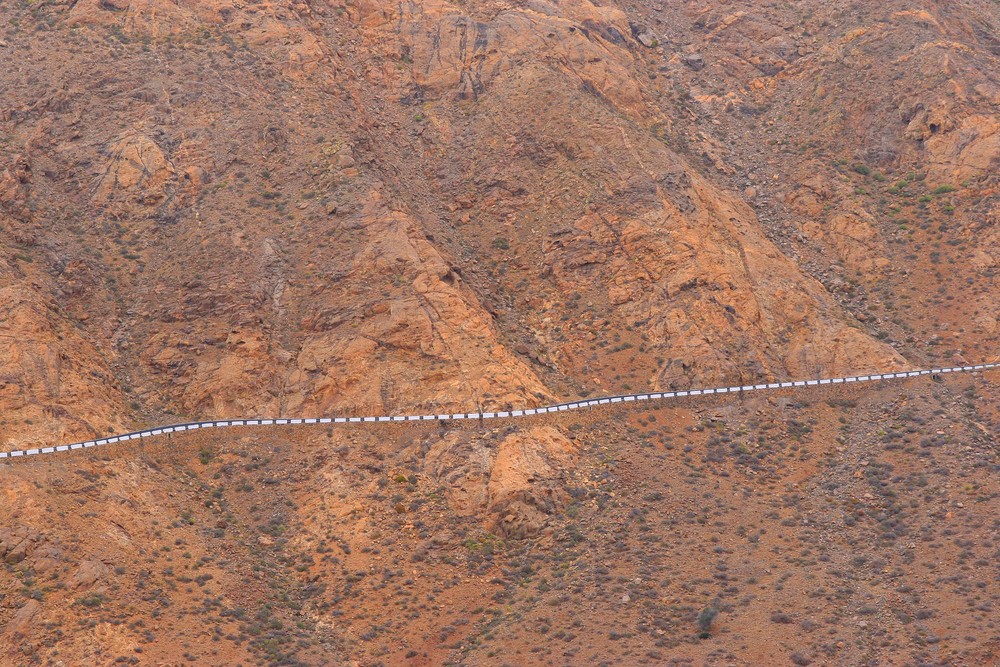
x=94, y=600
x=705, y=619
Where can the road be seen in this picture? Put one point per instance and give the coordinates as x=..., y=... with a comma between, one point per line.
x=560, y=407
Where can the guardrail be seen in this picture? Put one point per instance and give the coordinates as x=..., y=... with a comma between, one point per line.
x=559, y=407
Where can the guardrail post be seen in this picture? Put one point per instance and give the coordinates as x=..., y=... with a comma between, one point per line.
x=936, y=376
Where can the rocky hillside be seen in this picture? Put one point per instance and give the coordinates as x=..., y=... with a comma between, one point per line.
x=216, y=208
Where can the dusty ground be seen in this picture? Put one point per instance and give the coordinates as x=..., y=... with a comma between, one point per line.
x=842, y=526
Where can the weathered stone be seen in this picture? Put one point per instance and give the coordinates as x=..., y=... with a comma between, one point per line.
x=694, y=60
x=20, y=625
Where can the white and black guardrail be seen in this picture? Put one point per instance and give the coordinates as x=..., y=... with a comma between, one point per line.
x=572, y=405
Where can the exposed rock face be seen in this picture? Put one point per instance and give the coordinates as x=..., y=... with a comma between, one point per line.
x=19, y=626
x=153, y=17
x=87, y=574
x=13, y=180
x=18, y=542
x=365, y=361
x=287, y=264
x=305, y=276
x=52, y=379
x=695, y=61
x=658, y=247
x=31, y=550
x=704, y=275
x=524, y=486
x=966, y=152
x=219, y=209
x=436, y=321
x=854, y=239
x=514, y=482
x=851, y=234
x=453, y=53
x=138, y=168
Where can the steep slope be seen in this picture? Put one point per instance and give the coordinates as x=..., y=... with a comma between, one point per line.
x=864, y=136
x=312, y=208
x=294, y=259
x=570, y=173
x=53, y=380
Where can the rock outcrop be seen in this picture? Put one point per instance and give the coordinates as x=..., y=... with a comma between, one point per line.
x=525, y=483
x=212, y=208
x=706, y=278
x=54, y=385
x=137, y=169
x=20, y=625
x=515, y=481
x=451, y=53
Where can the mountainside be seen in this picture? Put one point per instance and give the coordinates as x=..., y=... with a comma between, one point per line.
x=225, y=209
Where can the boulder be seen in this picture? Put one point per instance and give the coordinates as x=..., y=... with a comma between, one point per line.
x=137, y=171
x=87, y=574
x=525, y=480
x=694, y=60
x=20, y=625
